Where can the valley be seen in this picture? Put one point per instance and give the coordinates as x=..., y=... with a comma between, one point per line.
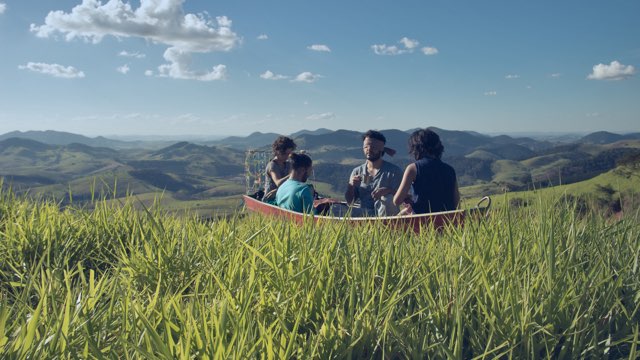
x=208, y=177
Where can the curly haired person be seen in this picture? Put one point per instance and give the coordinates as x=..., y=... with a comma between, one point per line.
x=434, y=183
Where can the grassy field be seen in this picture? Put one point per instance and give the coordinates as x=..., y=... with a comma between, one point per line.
x=542, y=281
x=621, y=185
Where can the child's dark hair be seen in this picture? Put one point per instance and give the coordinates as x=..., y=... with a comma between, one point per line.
x=282, y=143
x=425, y=143
x=300, y=161
x=372, y=134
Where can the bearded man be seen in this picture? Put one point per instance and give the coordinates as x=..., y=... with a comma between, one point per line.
x=375, y=182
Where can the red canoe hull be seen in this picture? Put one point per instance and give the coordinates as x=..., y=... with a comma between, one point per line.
x=415, y=222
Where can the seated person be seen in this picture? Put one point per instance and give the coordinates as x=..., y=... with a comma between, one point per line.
x=295, y=194
x=278, y=169
x=375, y=181
x=434, y=182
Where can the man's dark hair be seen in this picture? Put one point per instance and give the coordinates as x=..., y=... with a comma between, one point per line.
x=283, y=143
x=425, y=143
x=300, y=161
x=372, y=134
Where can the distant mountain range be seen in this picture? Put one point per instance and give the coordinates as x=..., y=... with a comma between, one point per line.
x=64, y=138
x=323, y=143
x=604, y=137
x=50, y=161
x=190, y=170
x=457, y=141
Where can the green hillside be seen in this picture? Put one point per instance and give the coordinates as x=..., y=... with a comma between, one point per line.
x=510, y=174
x=620, y=185
x=188, y=172
x=483, y=155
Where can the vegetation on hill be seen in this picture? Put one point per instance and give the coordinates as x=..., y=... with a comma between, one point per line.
x=605, y=137
x=52, y=137
x=186, y=172
x=182, y=172
x=610, y=193
x=541, y=281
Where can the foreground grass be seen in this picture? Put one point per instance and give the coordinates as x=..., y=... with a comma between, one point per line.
x=117, y=282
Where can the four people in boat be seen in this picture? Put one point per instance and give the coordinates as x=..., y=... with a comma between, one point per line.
x=427, y=185
x=374, y=182
x=295, y=194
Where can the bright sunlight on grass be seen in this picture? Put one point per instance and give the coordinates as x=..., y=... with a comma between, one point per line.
x=536, y=282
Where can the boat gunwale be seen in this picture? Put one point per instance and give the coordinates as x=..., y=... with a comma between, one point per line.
x=364, y=219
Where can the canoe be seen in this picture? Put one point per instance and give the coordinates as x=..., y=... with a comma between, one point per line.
x=415, y=222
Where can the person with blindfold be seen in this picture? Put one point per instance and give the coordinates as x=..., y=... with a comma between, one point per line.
x=375, y=182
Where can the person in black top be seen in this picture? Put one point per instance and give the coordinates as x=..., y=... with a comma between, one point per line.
x=434, y=183
x=278, y=169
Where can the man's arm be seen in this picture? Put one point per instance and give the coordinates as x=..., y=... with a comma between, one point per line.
x=393, y=184
x=354, y=181
x=380, y=192
x=278, y=181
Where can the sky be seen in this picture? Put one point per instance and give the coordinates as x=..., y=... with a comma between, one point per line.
x=232, y=67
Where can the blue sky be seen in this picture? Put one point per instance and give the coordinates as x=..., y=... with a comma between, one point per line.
x=211, y=68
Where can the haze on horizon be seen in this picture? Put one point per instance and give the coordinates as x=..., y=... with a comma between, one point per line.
x=200, y=68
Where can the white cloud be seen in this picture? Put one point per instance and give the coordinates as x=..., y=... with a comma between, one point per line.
x=149, y=73
x=321, y=117
x=162, y=22
x=307, y=77
x=491, y=93
x=235, y=118
x=409, y=43
x=594, y=114
x=178, y=67
x=556, y=75
x=135, y=55
x=512, y=76
x=268, y=75
x=319, y=47
x=124, y=69
x=613, y=71
x=188, y=118
x=55, y=70
x=263, y=37
x=407, y=46
x=428, y=50
x=3, y=8
x=383, y=49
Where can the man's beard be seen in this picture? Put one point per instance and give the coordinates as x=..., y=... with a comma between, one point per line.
x=375, y=156
x=305, y=177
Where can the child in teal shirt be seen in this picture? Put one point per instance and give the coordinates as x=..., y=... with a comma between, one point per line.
x=295, y=194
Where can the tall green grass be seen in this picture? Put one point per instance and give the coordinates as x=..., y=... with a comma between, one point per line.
x=543, y=281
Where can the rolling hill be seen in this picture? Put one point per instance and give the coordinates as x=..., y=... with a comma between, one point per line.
x=605, y=137
x=187, y=171
x=52, y=137
x=255, y=140
x=611, y=192
x=320, y=131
